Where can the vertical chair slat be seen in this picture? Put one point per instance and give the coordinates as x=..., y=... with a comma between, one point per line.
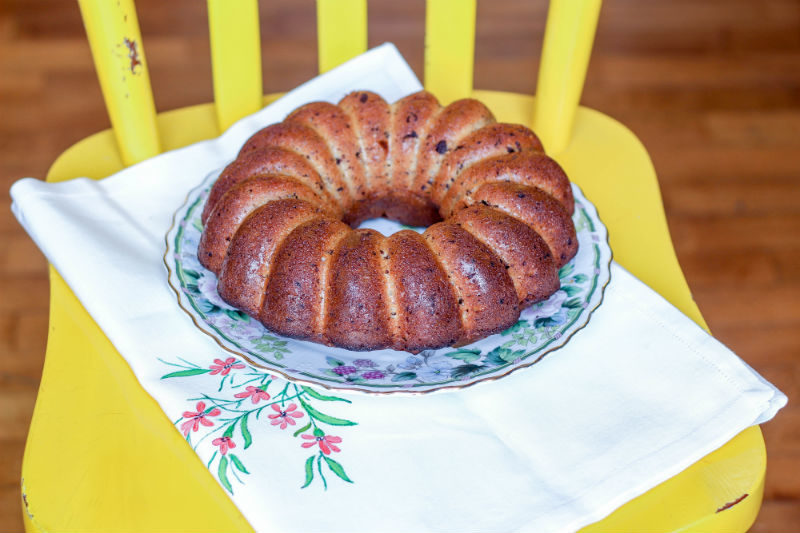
x=116, y=43
x=568, y=39
x=449, y=48
x=341, y=31
x=235, y=59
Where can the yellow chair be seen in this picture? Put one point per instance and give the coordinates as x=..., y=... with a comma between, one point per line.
x=101, y=455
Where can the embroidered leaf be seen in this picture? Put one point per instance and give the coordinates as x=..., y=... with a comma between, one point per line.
x=309, y=472
x=186, y=373
x=404, y=376
x=319, y=469
x=238, y=464
x=467, y=356
x=336, y=468
x=316, y=395
x=229, y=431
x=248, y=438
x=302, y=429
x=222, y=472
x=322, y=417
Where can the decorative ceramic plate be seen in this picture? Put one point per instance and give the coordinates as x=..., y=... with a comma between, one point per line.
x=542, y=328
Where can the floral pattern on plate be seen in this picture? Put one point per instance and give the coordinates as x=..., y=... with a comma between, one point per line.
x=542, y=328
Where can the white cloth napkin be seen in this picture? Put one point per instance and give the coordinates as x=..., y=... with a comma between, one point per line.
x=631, y=400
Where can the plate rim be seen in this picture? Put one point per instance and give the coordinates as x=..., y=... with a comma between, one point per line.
x=363, y=390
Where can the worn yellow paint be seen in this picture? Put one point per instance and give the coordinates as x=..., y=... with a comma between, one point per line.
x=116, y=43
x=568, y=39
x=235, y=40
x=341, y=31
x=449, y=48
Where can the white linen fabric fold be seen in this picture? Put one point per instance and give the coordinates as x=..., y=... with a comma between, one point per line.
x=631, y=400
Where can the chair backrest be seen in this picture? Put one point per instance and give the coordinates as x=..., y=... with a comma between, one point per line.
x=120, y=61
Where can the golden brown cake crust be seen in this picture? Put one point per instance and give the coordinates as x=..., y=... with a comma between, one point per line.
x=429, y=312
x=529, y=168
x=486, y=294
x=251, y=255
x=543, y=213
x=295, y=290
x=268, y=160
x=497, y=211
x=239, y=202
x=357, y=313
x=524, y=253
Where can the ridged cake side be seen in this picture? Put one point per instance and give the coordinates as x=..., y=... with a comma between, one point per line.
x=278, y=223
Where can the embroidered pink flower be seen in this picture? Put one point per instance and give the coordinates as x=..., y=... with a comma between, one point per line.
x=285, y=416
x=224, y=443
x=254, y=393
x=224, y=367
x=194, y=419
x=326, y=442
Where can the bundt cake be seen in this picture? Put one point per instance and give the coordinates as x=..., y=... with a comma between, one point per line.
x=278, y=224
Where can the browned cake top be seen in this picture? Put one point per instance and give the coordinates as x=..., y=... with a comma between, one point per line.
x=497, y=210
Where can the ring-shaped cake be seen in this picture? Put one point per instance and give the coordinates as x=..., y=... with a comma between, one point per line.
x=281, y=224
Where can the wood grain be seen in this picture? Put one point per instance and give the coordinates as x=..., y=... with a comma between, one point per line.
x=712, y=88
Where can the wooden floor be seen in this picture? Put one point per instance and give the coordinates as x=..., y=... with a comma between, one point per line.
x=712, y=88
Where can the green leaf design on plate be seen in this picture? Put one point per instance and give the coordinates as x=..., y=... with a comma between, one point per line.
x=317, y=396
x=336, y=468
x=571, y=290
x=248, y=438
x=502, y=355
x=191, y=274
x=322, y=417
x=572, y=303
x=222, y=472
x=566, y=270
x=581, y=278
x=465, y=355
x=495, y=357
x=238, y=464
x=334, y=362
x=404, y=376
x=237, y=315
x=464, y=370
x=309, y=472
x=206, y=307
x=186, y=373
x=516, y=327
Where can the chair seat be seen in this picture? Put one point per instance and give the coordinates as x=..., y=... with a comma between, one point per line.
x=102, y=455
